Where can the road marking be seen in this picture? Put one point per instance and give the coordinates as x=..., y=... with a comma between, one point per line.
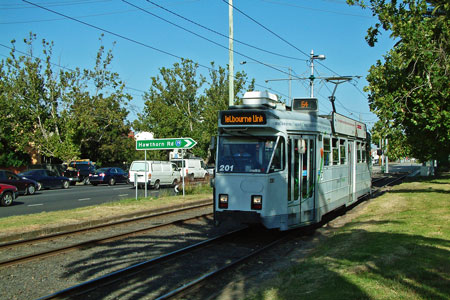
x=124, y=188
x=84, y=199
x=123, y=195
x=36, y=204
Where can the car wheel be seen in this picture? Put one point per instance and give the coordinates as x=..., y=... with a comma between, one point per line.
x=39, y=186
x=65, y=184
x=7, y=199
x=175, y=182
x=156, y=185
x=31, y=190
x=86, y=180
x=112, y=181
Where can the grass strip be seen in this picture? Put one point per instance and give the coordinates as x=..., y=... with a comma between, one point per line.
x=397, y=248
x=46, y=220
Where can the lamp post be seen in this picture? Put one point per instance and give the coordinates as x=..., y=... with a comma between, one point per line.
x=311, y=78
x=290, y=77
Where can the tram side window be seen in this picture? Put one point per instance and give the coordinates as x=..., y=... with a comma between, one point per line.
x=326, y=151
x=342, y=152
x=335, y=152
x=278, y=160
x=364, y=153
x=358, y=152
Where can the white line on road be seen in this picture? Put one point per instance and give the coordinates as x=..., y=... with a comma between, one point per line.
x=123, y=188
x=36, y=204
x=84, y=199
x=123, y=195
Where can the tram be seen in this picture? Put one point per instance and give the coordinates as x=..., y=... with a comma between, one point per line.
x=286, y=167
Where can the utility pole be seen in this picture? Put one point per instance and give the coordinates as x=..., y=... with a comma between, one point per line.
x=311, y=78
x=230, y=63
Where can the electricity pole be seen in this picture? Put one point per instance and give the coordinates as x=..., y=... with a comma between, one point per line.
x=230, y=63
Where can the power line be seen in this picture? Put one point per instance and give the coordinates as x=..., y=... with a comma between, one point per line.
x=277, y=35
x=59, y=19
x=207, y=39
x=317, y=9
x=218, y=33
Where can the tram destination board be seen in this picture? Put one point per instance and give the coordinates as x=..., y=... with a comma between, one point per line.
x=305, y=104
x=165, y=144
x=243, y=118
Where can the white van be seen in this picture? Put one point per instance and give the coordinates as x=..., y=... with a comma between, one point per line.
x=193, y=167
x=158, y=173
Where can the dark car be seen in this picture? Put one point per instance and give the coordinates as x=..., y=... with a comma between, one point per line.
x=8, y=193
x=110, y=176
x=46, y=179
x=79, y=172
x=24, y=186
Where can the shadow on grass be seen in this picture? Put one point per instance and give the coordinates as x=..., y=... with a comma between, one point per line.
x=368, y=265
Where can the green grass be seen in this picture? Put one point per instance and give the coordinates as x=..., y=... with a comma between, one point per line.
x=398, y=248
x=48, y=220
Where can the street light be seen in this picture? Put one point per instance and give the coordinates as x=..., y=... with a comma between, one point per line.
x=290, y=79
x=311, y=78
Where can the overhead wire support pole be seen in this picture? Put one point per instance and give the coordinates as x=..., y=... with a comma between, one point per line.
x=230, y=63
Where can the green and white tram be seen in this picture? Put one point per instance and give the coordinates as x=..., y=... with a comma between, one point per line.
x=286, y=167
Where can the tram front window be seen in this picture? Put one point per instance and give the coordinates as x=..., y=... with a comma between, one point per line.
x=246, y=154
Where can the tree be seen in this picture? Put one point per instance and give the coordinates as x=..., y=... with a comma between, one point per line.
x=56, y=114
x=175, y=107
x=409, y=91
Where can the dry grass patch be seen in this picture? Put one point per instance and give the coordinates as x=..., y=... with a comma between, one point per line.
x=49, y=220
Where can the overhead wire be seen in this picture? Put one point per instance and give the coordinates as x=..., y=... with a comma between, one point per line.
x=277, y=35
x=132, y=40
x=205, y=38
x=218, y=33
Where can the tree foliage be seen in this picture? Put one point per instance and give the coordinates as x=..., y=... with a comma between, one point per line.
x=409, y=90
x=56, y=114
x=179, y=105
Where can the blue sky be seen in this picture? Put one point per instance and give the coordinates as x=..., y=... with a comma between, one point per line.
x=292, y=28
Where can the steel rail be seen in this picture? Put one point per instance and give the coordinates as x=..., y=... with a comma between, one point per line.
x=98, y=241
x=113, y=277
x=210, y=275
x=102, y=226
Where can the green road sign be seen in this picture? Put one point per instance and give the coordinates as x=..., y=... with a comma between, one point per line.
x=165, y=144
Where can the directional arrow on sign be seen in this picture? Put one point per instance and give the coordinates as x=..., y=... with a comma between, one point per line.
x=165, y=144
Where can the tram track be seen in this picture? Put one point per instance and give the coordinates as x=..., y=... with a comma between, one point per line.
x=54, y=238
x=156, y=279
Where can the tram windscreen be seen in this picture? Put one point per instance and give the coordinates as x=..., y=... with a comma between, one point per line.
x=245, y=154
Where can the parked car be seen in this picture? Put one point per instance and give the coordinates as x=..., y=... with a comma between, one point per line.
x=46, y=179
x=24, y=186
x=158, y=173
x=79, y=172
x=110, y=176
x=8, y=193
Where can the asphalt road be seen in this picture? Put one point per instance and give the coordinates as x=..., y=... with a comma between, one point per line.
x=74, y=197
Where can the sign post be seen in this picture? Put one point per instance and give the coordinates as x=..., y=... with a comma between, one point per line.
x=165, y=144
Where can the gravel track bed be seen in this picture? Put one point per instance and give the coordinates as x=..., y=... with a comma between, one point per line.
x=45, y=276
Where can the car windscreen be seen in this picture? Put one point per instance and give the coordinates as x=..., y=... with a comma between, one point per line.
x=139, y=166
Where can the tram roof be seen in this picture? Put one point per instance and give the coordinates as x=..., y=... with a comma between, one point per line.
x=266, y=112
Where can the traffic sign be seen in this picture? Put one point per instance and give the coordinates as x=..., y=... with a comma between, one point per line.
x=165, y=144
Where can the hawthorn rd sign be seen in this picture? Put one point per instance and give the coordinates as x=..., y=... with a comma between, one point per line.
x=165, y=144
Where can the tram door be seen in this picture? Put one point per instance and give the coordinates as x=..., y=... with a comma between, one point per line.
x=301, y=176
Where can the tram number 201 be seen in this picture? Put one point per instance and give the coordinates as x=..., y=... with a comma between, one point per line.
x=226, y=168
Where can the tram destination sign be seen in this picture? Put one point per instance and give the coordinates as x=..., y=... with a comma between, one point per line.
x=165, y=144
x=243, y=118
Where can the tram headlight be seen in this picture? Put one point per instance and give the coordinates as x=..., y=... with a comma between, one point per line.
x=223, y=201
x=256, y=202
